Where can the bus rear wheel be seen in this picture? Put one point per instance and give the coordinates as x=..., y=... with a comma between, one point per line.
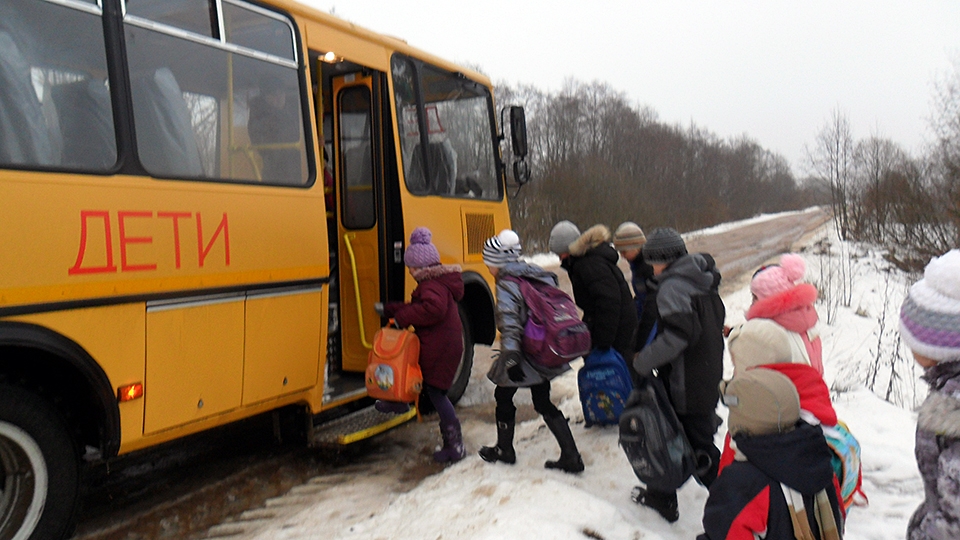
x=462, y=377
x=38, y=469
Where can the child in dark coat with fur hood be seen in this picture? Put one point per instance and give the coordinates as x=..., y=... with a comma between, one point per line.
x=599, y=288
x=930, y=327
x=433, y=312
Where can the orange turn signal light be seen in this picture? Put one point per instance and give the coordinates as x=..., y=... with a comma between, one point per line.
x=130, y=392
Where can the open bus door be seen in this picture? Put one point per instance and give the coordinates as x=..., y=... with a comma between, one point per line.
x=357, y=147
x=360, y=231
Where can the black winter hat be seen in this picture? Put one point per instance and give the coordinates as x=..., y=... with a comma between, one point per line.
x=664, y=245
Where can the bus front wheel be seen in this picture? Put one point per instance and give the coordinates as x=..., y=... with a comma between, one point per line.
x=462, y=377
x=39, y=475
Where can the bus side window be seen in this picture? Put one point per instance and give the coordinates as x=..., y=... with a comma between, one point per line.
x=239, y=92
x=25, y=138
x=165, y=138
x=80, y=106
x=55, y=105
x=274, y=129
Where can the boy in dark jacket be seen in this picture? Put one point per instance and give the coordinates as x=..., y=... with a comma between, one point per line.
x=433, y=312
x=687, y=352
x=629, y=239
x=781, y=484
x=599, y=287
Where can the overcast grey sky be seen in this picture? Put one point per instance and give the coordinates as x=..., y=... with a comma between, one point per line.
x=773, y=70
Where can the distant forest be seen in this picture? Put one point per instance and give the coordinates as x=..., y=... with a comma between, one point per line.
x=598, y=158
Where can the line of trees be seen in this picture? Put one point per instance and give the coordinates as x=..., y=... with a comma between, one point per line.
x=880, y=193
x=597, y=158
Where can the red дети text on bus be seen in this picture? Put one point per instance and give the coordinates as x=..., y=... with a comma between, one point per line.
x=123, y=219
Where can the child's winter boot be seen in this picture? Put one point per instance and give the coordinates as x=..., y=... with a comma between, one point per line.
x=452, y=450
x=664, y=503
x=503, y=451
x=391, y=407
x=570, y=460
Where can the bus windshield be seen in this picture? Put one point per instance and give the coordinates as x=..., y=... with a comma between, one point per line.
x=446, y=131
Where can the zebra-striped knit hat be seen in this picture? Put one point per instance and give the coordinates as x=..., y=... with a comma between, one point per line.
x=930, y=315
x=501, y=249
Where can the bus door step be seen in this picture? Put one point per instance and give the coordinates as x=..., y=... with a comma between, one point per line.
x=357, y=426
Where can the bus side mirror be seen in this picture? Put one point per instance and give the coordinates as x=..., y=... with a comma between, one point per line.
x=521, y=172
x=518, y=132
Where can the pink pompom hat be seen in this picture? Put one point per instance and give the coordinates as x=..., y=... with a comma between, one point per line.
x=778, y=278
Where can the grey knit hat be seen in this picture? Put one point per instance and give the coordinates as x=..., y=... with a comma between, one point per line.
x=664, y=245
x=562, y=235
x=501, y=249
x=629, y=235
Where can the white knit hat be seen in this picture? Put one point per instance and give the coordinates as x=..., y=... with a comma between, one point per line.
x=930, y=315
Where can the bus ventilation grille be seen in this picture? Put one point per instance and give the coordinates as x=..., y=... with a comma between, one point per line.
x=479, y=228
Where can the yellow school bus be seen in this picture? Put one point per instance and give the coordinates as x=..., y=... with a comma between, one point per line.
x=200, y=203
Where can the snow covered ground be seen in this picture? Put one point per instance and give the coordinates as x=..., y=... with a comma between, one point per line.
x=477, y=500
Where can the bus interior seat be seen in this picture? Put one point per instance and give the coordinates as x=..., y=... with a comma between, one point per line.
x=165, y=138
x=84, y=108
x=468, y=186
x=442, y=161
x=25, y=137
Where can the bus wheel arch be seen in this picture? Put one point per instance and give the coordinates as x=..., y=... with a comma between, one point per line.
x=480, y=307
x=462, y=377
x=62, y=373
x=479, y=326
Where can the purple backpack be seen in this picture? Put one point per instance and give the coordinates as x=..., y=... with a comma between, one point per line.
x=554, y=335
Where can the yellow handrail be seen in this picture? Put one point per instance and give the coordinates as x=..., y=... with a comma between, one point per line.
x=356, y=290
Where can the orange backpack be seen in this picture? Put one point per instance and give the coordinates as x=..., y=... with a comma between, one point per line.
x=393, y=366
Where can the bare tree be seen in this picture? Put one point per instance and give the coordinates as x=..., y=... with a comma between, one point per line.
x=875, y=161
x=831, y=160
x=946, y=127
x=596, y=158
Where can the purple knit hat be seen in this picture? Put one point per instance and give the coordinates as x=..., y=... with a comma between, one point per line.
x=421, y=252
x=930, y=315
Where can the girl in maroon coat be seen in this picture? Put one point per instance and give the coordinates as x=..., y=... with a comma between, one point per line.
x=433, y=312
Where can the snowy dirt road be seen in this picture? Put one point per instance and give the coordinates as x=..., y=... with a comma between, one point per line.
x=236, y=482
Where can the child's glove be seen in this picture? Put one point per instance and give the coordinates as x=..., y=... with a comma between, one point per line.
x=511, y=360
x=378, y=307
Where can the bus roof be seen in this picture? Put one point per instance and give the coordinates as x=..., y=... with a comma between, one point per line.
x=390, y=42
